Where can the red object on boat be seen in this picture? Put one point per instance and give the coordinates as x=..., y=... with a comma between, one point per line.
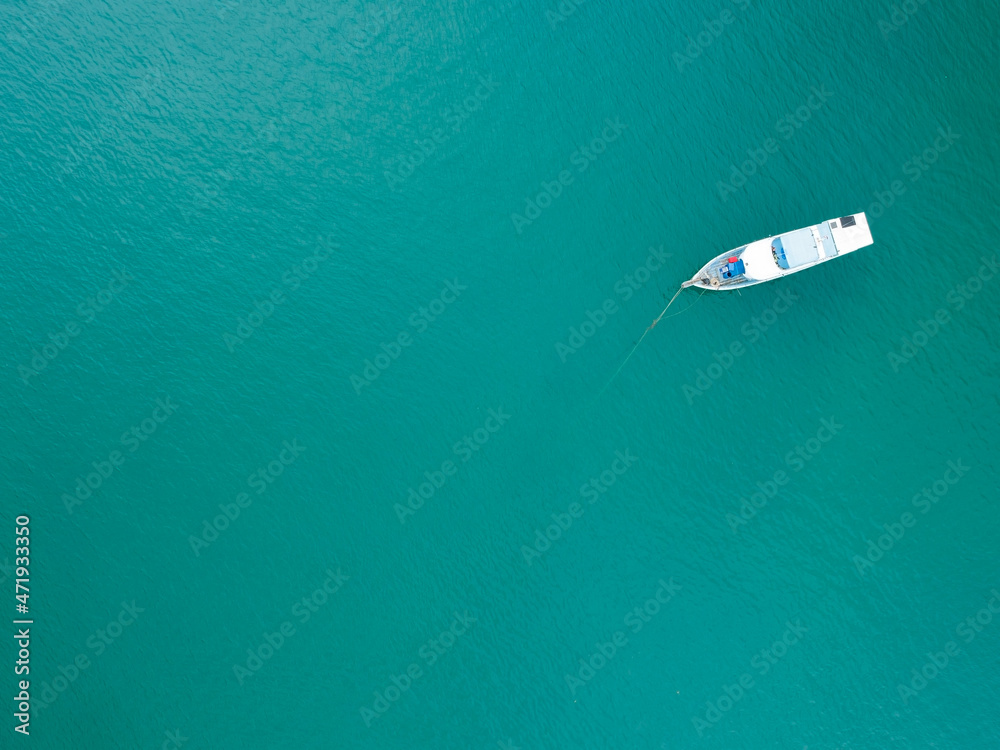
x=733, y=259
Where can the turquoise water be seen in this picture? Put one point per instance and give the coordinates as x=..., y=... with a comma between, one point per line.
x=298, y=261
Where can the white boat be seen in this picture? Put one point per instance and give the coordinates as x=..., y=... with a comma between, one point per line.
x=784, y=254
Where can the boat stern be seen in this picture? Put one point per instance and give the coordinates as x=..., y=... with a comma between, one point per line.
x=850, y=233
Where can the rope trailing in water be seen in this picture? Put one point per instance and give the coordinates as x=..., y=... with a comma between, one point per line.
x=676, y=295
x=650, y=328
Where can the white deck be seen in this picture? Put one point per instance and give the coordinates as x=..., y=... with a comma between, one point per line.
x=853, y=238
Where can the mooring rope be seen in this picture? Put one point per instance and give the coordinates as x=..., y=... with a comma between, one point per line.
x=646, y=332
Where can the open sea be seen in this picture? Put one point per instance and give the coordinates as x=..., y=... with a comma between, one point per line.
x=309, y=313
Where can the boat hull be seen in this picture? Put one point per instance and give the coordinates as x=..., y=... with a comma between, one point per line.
x=783, y=254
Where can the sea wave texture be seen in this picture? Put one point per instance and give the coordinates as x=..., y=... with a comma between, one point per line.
x=308, y=314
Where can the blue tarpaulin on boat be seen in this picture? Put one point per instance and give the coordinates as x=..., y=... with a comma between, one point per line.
x=731, y=270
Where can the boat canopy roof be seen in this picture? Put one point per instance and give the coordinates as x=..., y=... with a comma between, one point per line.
x=795, y=248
